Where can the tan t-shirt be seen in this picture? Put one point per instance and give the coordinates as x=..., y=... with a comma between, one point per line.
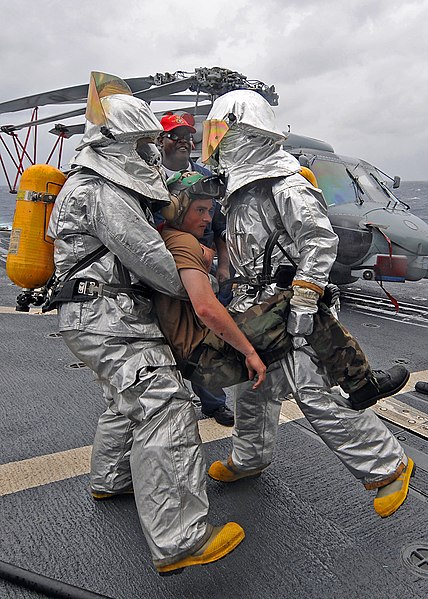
x=177, y=319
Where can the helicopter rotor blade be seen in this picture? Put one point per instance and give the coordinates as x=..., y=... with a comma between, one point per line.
x=48, y=119
x=67, y=95
x=163, y=92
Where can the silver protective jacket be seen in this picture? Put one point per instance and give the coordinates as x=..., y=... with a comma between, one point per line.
x=264, y=184
x=106, y=201
x=89, y=212
x=147, y=439
x=253, y=213
x=358, y=438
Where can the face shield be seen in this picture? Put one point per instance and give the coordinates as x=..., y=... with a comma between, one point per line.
x=103, y=85
x=114, y=115
x=213, y=132
x=148, y=151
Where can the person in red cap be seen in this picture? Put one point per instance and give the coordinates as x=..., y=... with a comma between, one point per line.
x=176, y=144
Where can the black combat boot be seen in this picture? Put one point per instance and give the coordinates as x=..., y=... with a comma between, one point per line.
x=385, y=383
x=422, y=387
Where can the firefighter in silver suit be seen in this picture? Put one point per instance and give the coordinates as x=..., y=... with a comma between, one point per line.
x=263, y=185
x=147, y=440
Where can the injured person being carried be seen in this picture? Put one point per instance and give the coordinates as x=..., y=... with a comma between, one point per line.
x=206, y=341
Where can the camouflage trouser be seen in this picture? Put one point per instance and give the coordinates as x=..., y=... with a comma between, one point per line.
x=216, y=364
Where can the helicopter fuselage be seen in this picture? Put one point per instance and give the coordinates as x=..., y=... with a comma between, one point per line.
x=379, y=238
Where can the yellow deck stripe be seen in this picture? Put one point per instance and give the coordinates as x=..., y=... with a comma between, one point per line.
x=32, y=312
x=45, y=469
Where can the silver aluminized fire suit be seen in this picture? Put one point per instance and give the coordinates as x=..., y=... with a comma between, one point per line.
x=149, y=428
x=263, y=183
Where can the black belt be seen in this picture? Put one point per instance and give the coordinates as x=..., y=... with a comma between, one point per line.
x=84, y=290
x=283, y=278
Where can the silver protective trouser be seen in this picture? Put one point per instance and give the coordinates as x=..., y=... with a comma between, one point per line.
x=358, y=438
x=148, y=439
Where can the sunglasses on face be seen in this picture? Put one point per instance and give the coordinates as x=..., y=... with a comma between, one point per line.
x=174, y=137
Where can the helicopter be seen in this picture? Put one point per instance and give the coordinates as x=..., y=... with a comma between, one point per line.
x=379, y=238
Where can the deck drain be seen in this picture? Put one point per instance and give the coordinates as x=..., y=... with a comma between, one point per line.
x=54, y=335
x=401, y=361
x=77, y=365
x=415, y=557
x=371, y=325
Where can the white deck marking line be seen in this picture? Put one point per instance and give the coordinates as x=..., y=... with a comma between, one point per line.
x=43, y=470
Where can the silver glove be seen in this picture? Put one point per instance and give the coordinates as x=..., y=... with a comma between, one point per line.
x=303, y=306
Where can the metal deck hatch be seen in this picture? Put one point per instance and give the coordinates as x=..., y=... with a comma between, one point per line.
x=415, y=557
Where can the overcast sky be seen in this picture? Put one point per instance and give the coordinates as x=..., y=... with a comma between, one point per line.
x=351, y=72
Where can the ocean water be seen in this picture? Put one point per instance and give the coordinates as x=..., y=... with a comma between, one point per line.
x=413, y=193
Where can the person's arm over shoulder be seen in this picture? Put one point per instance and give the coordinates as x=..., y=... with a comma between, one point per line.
x=120, y=224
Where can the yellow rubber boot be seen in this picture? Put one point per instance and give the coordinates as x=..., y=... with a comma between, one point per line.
x=226, y=472
x=102, y=495
x=390, y=497
x=222, y=541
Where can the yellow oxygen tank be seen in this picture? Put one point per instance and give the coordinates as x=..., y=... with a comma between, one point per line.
x=309, y=175
x=29, y=261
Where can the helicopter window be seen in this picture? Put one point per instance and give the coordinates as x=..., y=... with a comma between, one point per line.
x=337, y=186
x=369, y=183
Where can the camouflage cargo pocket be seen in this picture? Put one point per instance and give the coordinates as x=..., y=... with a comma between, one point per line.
x=265, y=325
x=220, y=365
x=216, y=369
x=339, y=351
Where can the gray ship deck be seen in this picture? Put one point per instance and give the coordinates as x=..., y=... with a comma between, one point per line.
x=311, y=529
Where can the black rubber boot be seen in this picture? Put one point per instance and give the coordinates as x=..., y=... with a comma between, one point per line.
x=386, y=383
x=422, y=387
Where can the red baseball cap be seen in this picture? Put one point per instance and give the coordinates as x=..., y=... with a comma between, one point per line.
x=172, y=121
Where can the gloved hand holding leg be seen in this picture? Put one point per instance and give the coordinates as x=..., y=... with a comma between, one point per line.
x=303, y=305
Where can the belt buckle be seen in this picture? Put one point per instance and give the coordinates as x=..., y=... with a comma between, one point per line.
x=88, y=288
